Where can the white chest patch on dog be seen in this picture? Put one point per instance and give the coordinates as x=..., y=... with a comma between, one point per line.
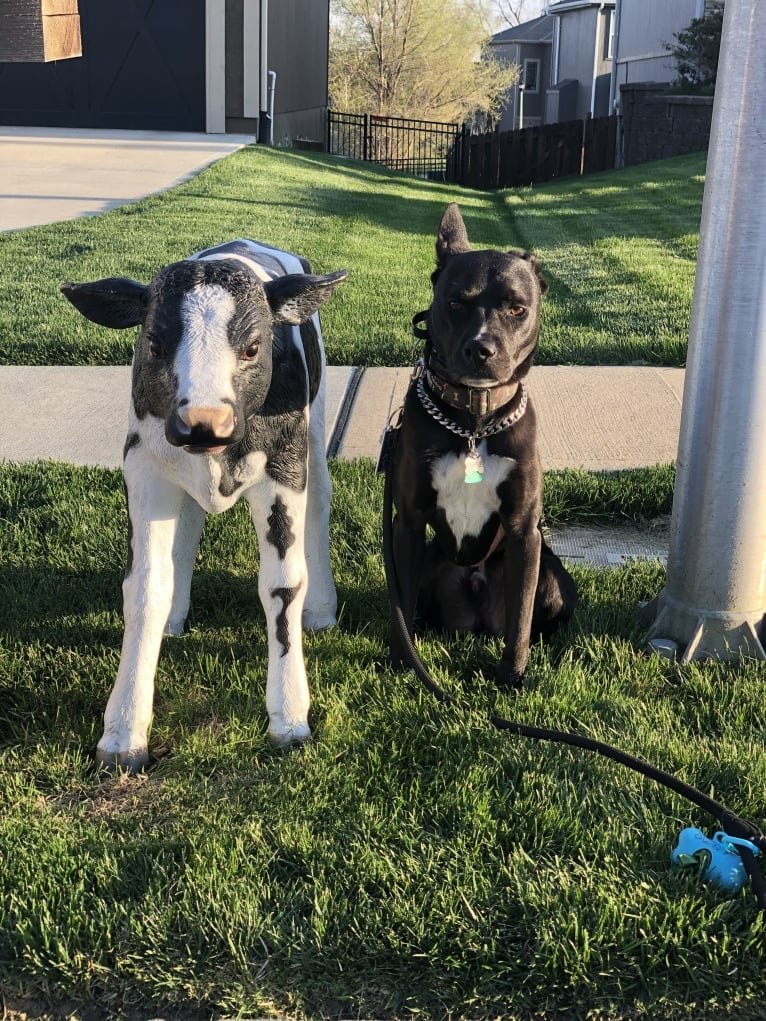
x=467, y=508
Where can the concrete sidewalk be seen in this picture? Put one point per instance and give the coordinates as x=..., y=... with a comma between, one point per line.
x=595, y=418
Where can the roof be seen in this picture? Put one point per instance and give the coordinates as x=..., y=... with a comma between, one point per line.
x=573, y=5
x=539, y=30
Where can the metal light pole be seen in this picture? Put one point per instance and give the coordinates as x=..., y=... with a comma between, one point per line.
x=714, y=601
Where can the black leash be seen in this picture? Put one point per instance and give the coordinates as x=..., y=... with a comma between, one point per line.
x=731, y=823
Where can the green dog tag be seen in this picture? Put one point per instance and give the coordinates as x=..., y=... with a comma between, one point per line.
x=474, y=468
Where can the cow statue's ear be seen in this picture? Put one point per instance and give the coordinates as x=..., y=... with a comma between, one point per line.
x=294, y=298
x=115, y=302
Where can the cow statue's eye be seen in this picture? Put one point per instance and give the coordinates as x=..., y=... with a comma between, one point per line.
x=251, y=351
x=156, y=350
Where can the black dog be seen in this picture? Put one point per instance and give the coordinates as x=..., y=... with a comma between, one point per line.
x=465, y=460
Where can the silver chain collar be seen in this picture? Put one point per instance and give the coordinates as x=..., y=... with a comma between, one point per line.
x=472, y=436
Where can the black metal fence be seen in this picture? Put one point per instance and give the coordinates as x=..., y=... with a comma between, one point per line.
x=421, y=148
x=492, y=159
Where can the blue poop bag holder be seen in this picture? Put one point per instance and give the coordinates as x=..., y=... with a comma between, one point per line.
x=716, y=858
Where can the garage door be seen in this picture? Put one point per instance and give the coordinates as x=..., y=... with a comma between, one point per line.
x=143, y=66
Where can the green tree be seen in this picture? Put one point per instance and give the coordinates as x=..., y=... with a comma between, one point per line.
x=696, y=50
x=414, y=58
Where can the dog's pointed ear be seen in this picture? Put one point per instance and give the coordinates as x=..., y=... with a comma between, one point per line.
x=452, y=238
x=537, y=269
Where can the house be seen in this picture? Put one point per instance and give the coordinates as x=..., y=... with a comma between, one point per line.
x=655, y=122
x=528, y=47
x=251, y=66
x=581, y=64
x=565, y=58
x=576, y=56
x=643, y=30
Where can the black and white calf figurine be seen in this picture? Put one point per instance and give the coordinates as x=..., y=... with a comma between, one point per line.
x=227, y=402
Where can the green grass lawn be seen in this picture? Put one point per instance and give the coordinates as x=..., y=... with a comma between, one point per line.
x=410, y=862
x=619, y=250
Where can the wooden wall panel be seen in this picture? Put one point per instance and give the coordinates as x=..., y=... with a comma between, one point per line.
x=33, y=31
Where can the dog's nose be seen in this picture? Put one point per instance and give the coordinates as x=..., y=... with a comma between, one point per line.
x=479, y=350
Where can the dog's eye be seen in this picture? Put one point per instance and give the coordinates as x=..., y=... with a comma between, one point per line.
x=251, y=351
x=516, y=311
x=456, y=305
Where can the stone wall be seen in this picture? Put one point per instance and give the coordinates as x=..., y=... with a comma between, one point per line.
x=657, y=124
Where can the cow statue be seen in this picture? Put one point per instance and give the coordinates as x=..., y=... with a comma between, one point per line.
x=227, y=401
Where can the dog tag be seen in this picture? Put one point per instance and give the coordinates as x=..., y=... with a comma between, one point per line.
x=474, y=467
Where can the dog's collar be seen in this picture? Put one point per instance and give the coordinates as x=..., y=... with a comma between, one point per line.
x=473, y=462
x=473, y=436
x=478, y=400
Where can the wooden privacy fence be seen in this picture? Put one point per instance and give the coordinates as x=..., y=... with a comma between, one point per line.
x=512, y=159
x=493, y=159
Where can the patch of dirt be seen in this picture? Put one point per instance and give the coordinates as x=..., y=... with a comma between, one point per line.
x=31, y=1008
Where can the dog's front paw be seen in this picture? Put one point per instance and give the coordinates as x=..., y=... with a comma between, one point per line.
x=508, y=679
x=398, y=661
x=397, y=648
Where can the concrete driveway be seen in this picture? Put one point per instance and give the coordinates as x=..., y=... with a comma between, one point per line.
x=53, y=174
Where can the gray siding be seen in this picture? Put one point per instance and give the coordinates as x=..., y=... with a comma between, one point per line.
x=300, y=61
x=508, y=53
x=646, y=26
x=516, y=53
x=298, y=35
x=582, y=36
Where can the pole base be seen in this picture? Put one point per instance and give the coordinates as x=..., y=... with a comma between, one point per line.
x=678, y=631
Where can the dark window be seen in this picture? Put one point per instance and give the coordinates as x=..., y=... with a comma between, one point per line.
x=531, y=75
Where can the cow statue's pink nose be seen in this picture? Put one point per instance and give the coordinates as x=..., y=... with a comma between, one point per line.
x=219, y=422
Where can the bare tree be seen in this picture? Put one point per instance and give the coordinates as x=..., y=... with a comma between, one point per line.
x=415, y=58
x=515, y=12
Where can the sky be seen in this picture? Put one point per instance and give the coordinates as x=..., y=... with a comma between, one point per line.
x=530, y=9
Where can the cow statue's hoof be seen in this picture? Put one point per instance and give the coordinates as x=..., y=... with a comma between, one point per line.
x=318, y=620
x=287, y=739
x=174, y=627
x=133, y=761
